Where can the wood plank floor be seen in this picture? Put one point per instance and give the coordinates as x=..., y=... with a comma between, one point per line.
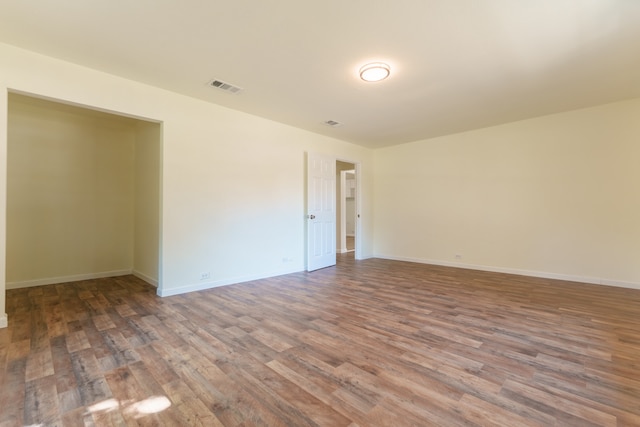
x=366, y=343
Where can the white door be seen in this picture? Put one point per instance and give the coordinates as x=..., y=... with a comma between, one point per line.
x=321, y=212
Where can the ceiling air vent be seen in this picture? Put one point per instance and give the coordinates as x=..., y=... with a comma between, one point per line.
x=332, y=123
x=227, y=87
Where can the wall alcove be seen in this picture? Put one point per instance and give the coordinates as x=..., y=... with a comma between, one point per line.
x=83, y=191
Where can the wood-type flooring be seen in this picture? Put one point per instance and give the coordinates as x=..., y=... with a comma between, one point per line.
x=366, y=343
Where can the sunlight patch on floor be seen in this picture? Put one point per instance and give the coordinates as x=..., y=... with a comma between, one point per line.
x=151, y=405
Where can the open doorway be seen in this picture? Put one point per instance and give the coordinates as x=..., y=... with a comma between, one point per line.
x=346, y=207
x=83, y=191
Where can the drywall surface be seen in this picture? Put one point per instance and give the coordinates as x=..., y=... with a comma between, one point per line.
x=147, y=180
x=556, y=196
x=4, y=102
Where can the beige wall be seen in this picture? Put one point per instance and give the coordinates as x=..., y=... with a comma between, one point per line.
x=69, y=193
x=232, y=187
x=555, y=196
x=147, y=176
x=4, y=102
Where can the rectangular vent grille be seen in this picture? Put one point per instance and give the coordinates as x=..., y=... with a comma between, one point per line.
x=227, y=87
x=332, y=123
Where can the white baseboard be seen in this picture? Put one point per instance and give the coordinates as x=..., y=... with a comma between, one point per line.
x=4, y=321
x=225, y=282
x=142, y=276
x=65, y=279
x=530, y=273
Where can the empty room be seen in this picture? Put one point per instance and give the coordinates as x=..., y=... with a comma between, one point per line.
x=410, y=213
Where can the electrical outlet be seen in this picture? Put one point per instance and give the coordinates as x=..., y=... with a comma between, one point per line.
x=204, y=276
x=287, y=259
x=458, y=256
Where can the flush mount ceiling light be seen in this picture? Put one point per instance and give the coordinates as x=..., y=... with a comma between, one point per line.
x=374, y=72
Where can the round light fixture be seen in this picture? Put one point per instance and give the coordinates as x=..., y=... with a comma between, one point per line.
x=374, y=72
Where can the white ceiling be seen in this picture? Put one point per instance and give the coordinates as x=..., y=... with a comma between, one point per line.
x=456, y=65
